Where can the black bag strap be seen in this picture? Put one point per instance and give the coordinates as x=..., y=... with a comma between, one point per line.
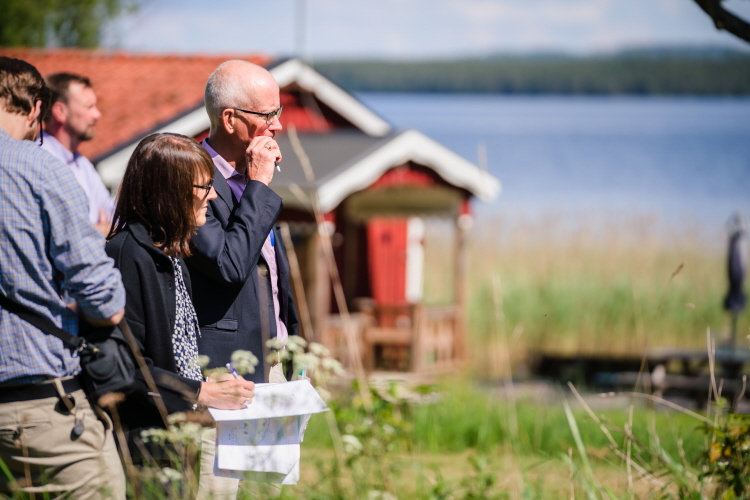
x=73, y=342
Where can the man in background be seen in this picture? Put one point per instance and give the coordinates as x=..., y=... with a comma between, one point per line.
x=239, y=268
x=52, y=442
x=71, y=121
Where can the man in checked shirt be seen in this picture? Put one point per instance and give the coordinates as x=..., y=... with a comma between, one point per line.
x=51, y=440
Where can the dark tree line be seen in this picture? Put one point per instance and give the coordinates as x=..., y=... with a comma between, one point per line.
x=643, y=73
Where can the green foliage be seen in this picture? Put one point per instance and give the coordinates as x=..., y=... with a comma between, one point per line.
x=678, y=73
x=385, y=429
x=64, y=23
x=479, y=485
x=727, y=459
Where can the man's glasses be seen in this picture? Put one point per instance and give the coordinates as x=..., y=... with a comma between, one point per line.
x=276, y=113
x=207, y=187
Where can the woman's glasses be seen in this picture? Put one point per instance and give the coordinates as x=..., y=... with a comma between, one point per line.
x=207, y=187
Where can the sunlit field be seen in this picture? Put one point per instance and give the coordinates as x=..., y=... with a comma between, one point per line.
x=610, y=286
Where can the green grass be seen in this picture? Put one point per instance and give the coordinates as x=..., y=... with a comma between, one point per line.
x=467, y=439
x=467, y=418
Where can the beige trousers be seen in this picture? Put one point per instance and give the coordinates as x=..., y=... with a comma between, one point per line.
x=36, y=443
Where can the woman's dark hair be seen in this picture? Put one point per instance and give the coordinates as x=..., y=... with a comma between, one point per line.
x=157, y=190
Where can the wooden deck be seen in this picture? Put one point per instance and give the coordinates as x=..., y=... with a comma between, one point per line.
x=661, y=371
x=412, y=338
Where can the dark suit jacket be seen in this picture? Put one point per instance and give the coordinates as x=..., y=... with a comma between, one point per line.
x=226, y=282
x=148, y=276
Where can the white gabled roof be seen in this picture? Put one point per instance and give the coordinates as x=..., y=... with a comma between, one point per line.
x=408, y=146
x=359, y=115
x=112, y=168
x=293, y=71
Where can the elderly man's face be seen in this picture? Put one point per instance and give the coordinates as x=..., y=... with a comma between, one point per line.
x=266, y=100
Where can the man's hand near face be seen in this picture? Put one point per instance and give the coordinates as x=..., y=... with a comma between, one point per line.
x=261, y=154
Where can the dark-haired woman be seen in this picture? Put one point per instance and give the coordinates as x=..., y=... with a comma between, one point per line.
x=162, y=200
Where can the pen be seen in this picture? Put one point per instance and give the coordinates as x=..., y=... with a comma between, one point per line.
x=278, y=168
x=232, y=370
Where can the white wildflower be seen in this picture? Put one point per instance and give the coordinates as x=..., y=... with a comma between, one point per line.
x=275, y=344
x=379, y=495
x=352, y=445
x=167, y=475
x=309, y=360
x=244, y=362
x=202, y=360
x=333, y=366
x=319, y=349
x=296, y=344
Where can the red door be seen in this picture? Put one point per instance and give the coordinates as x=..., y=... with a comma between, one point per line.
x=386, y=245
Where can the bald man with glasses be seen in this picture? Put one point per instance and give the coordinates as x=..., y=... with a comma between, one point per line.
x=239, y=268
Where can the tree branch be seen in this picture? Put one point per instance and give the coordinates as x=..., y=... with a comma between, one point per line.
x=725, y=20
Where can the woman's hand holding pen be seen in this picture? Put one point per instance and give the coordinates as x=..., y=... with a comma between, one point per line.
x=227, y=392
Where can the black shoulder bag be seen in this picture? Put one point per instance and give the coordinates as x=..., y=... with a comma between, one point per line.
x=106, y=362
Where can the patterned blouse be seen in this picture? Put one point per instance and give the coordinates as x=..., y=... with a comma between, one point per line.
x=185, y=328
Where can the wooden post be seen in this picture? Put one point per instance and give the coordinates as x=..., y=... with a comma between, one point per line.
x=319, y=292
x=464, y=222
x=417, y=341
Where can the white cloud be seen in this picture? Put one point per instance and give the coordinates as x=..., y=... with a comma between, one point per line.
x=579, y=11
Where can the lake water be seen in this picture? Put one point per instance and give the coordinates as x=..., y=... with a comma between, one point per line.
x=681, y=159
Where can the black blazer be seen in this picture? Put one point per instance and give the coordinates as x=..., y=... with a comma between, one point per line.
x=148, y=276
x=224, y=270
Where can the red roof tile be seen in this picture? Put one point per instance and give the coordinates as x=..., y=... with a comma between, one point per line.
x=135, y=92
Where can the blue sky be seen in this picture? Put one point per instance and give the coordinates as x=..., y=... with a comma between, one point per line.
x=404, y=29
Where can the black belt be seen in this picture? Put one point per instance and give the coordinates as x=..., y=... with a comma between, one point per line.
x=39, y=390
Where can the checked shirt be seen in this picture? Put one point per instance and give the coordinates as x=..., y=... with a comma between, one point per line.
x=47, y=245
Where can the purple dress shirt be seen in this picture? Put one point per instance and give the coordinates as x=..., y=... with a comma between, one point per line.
x=237, y=183
x=86, y=175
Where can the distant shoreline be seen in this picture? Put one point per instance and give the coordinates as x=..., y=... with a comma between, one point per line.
x=648, y=72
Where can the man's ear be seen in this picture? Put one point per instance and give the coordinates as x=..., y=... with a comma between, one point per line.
x=227, y=121
x=31, y=122
x=32, y=119
x=59, y=112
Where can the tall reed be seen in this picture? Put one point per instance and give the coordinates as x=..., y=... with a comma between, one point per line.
x=589, y=285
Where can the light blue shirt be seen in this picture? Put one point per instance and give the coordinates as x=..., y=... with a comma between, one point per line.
x=47, y=245
x=86, y=175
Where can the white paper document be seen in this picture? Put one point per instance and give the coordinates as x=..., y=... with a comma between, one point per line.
x=261, y=442
x=277, y=400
